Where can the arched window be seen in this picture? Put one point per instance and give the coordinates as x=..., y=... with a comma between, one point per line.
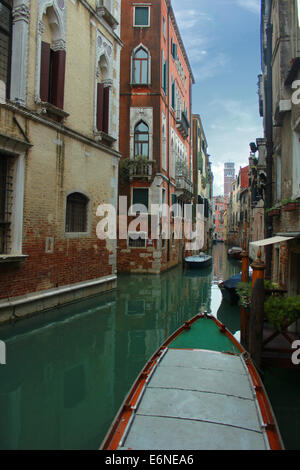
x=141, y=140
x=140, y=69
x=53, y=61
x=76, y=213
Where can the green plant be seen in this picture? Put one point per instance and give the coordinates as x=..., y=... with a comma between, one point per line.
x=244, y=291
x=128, y=163
x=282, y=311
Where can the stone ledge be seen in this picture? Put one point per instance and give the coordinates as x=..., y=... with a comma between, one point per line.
x=12, y=258
x=32, y=304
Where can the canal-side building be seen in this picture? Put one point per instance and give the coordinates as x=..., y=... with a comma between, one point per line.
x=202, y=177
x=244, y=197
x=59, y=149
x=280, y=108
x=155, y=135
x=239, y=210
x=219, y=208
x=233, y=216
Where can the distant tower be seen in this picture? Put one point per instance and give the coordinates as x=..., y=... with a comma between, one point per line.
x=229, y=176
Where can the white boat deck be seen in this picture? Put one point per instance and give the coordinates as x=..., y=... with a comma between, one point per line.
x=197, y=400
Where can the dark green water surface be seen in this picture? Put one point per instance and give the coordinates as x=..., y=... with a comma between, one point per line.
x=69, y=369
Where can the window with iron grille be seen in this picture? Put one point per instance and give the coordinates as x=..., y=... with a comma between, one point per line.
x=137, y=240
x=5, y=44
x=6, y=189
x=76, y=213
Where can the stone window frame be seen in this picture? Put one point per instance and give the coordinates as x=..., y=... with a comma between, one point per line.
x=59, y=35
x=17, y=150
x=88, y=215
x=104, y=52
x=137, y=247
x=142, y=5
x=138, y=114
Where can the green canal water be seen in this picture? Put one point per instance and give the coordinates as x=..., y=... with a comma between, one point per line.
x=69, y=369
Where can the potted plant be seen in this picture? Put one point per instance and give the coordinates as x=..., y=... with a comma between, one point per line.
x=290, y=205
x=136, y=164
x=244, y=291
x=273, y=211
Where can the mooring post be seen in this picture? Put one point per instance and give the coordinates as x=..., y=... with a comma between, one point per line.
x=245, y=278
x=256, y=324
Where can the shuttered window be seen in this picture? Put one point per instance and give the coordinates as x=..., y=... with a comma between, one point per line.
x=52, y=79
x=5, y=47
x=141, y=16
x=103, y=108
x=76, y=213
x=140, y=196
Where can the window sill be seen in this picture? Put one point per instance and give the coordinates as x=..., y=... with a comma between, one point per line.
x=11, y=258
x=106, y=139
x=51, y=111
x=140, y=85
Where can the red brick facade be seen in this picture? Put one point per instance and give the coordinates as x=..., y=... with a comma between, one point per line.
x=159, y=102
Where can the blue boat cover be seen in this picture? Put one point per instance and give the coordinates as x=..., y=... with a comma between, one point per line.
x=233, y=281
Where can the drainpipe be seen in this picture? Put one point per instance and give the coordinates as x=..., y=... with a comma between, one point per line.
x=168, y=121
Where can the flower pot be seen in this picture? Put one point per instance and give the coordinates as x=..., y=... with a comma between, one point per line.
x=274, y=213
x=291, y=206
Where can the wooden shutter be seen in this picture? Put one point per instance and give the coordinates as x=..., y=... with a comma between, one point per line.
x=105, y=109
x=45, y=71
x=100, y=103
x=140, y=196
x=58, y=78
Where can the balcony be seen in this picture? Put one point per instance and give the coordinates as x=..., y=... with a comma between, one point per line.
x=184, y=187
x=140, y=170
x=104, y=9
x=183, y=125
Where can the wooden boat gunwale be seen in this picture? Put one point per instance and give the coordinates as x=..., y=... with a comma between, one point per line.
x=118, y=430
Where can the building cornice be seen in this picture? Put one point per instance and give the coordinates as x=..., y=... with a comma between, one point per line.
x=103, y=23
x=26, y=113
x=176, y=28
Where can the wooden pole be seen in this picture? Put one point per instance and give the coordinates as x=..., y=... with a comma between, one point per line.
x=256, y=325
x=245, y=278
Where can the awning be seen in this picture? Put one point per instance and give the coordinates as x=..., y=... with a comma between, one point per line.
x=271, y=241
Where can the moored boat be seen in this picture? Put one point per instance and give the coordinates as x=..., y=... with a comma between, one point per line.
x=199, y=261
x=199, y=391
x=235, y=252
x=229, y=287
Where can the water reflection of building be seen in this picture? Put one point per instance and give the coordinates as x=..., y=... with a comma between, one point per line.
x=224, y=267
x=56, y=372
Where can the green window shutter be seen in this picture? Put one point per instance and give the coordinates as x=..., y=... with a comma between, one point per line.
x=140, y=196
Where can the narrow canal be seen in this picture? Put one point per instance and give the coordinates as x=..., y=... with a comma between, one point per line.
x=69, y=369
